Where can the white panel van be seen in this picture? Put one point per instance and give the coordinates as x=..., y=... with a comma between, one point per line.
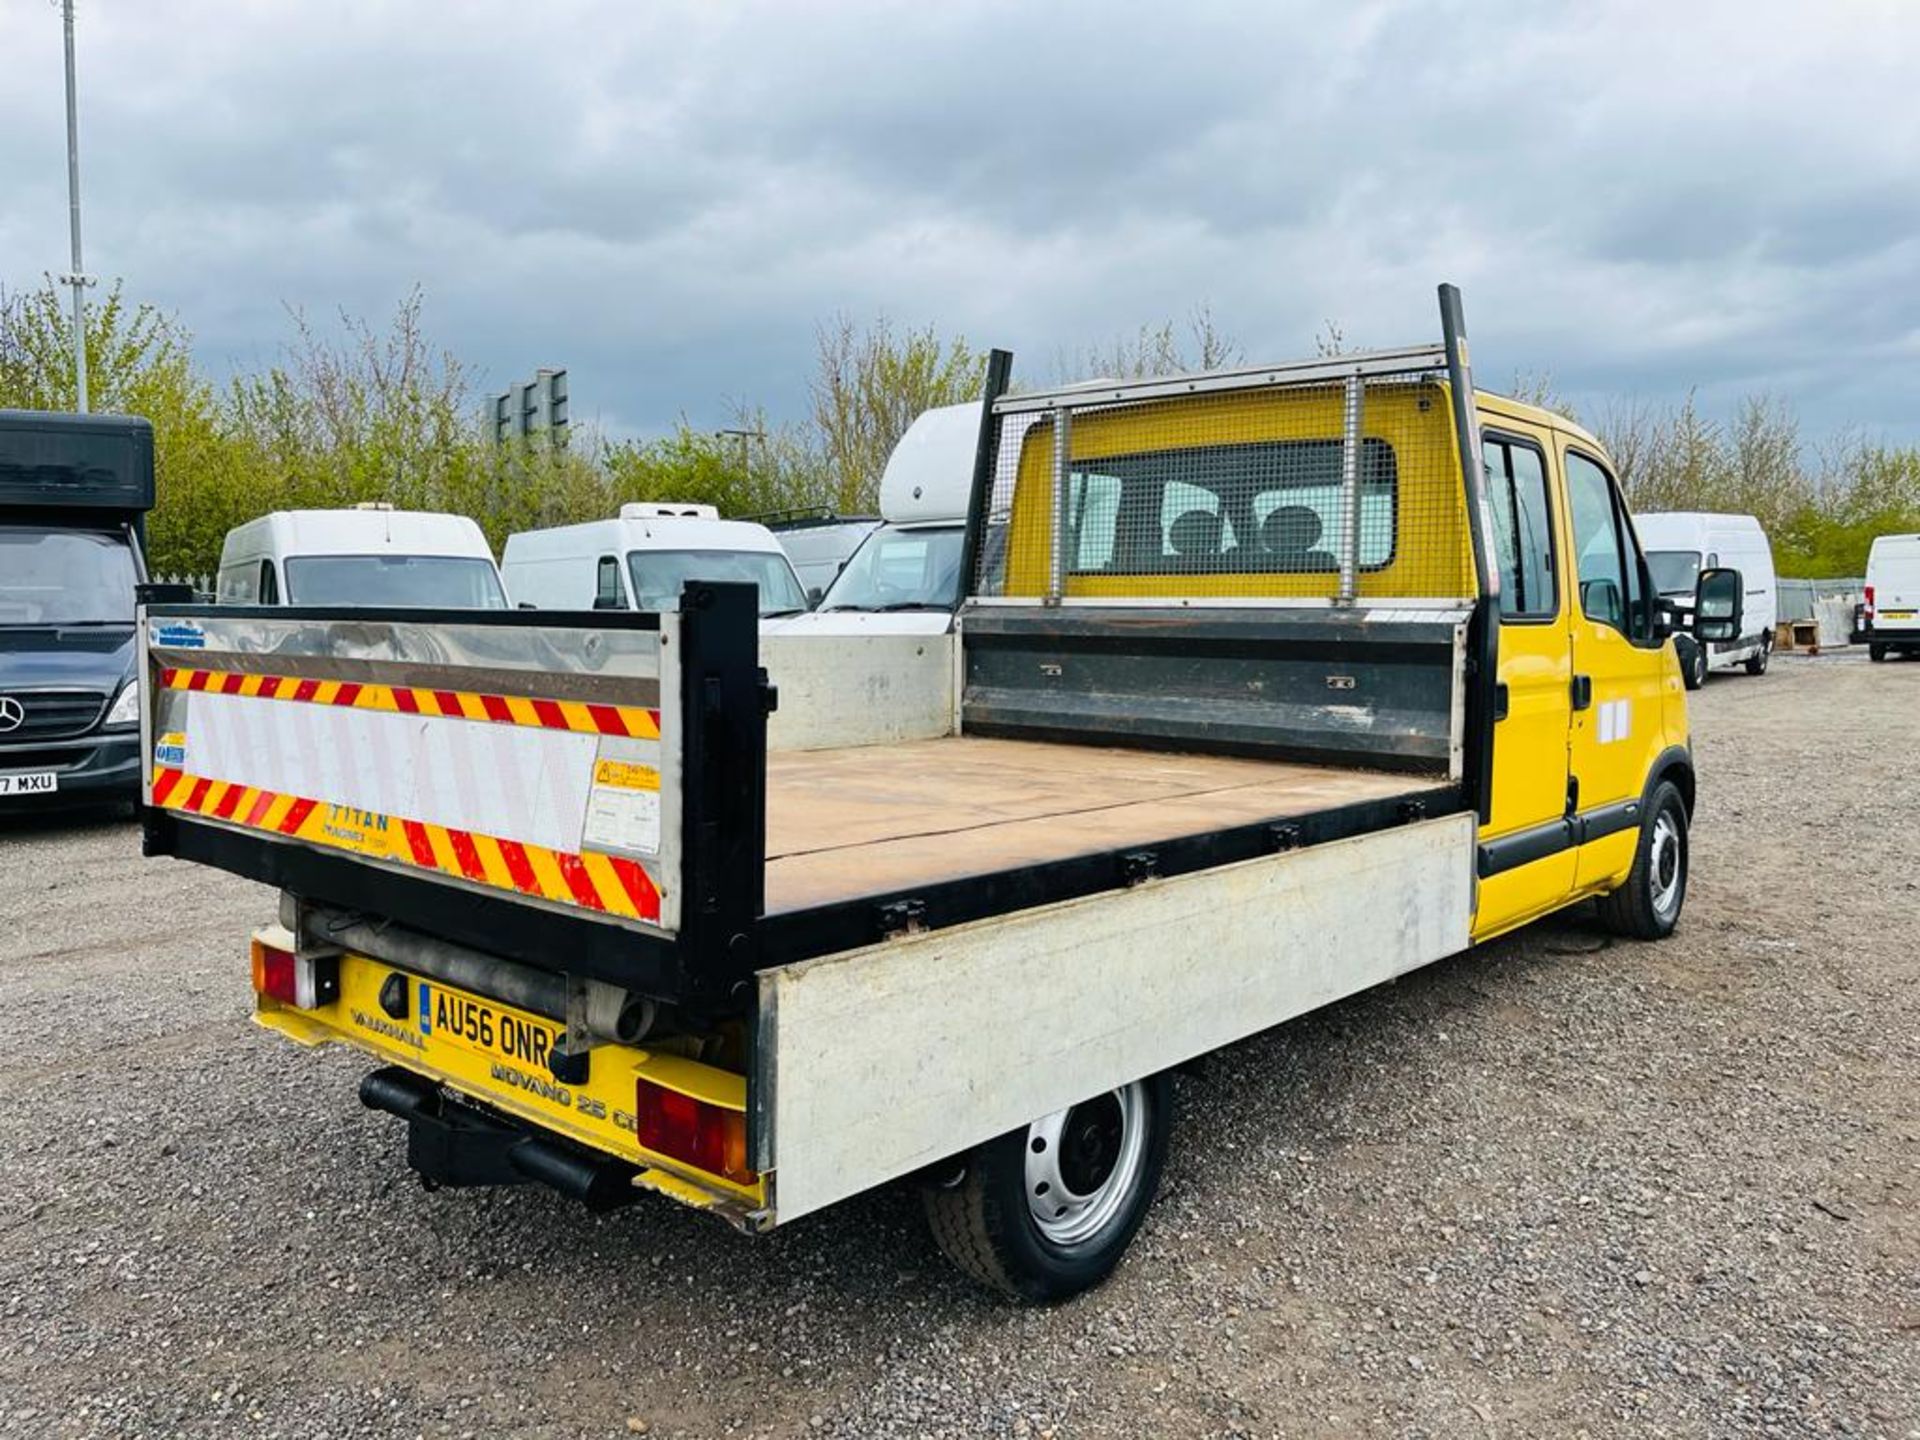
x=1679, y=544
x=368, y=554
x=1890, y=620
x=641, y=559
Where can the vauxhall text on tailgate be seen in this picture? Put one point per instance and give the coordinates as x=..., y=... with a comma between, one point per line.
x=1274, y=684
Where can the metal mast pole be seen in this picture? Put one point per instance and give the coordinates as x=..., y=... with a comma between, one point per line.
x=78, y=278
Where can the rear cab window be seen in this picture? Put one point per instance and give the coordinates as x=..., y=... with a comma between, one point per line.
x=1271, y=507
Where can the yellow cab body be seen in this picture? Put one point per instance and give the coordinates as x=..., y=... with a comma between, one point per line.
x=1592, y=708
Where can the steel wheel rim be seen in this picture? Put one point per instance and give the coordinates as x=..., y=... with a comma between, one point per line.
x=1666, y=864
x=1082, y=1164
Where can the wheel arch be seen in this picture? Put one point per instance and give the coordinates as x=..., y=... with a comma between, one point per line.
x=1675, y=763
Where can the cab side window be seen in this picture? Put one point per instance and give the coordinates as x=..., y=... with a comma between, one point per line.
x=1605, y=559
x=1523, y=528
x=606, y=585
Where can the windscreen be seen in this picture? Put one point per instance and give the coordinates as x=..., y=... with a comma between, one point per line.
x=1674, y=571
x=901, y=570
x=65, y=577
x=438, y=582
x=660, y=575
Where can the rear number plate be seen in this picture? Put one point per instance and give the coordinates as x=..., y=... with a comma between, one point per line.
x=30, y=782
x=477, y=1025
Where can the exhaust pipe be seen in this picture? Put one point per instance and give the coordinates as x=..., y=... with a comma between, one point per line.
x=398, y=1092
x=612, y=1013
x=449, y=1143
x=601, y=1183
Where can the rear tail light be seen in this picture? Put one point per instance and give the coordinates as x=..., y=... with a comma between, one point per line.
x=708, y=1137
x=1869, y=602
x=304, y=981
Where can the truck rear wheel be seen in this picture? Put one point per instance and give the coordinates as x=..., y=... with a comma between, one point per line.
x=1045, y=1212
x=1757, y=662
x=1876, y=653
x=1647, y=906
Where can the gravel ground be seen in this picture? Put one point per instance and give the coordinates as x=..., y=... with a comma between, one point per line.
x=1560, y=1186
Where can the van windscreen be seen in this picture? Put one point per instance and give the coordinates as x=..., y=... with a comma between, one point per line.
x=1674, y=571
x=50, y=576
x=901, y=570
x=440, y=582
x=660, y=575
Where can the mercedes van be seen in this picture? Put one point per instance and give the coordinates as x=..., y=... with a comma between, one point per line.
x=74, y=495
x=1679, y=545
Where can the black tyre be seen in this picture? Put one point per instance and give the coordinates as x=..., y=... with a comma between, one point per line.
x=1045, y=1212
x=1876, y=653
x=1693, y=662
x=1757, y=664
x=1648, y=905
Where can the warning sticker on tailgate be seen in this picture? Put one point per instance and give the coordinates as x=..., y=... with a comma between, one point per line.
x=623, y=807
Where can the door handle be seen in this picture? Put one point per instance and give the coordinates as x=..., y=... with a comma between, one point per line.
x=1501, y=699
x=1582, y=691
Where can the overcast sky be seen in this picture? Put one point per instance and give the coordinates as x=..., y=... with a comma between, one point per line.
x=1634, y=197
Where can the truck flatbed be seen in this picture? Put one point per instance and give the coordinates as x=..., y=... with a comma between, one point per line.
x=866, y=820
x=655, y=900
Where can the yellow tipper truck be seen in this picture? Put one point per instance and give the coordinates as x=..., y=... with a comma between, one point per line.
x=1275, y=683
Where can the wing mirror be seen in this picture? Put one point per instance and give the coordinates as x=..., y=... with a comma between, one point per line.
x=1600, y=599
x=1717, y=604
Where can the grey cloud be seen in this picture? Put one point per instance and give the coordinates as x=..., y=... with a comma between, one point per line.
x=1637, y=197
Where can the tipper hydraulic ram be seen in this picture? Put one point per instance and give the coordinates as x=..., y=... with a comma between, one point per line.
x=1239, y=721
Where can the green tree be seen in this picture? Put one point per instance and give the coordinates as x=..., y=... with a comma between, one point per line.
x=869, y=385
x=139, y=362
x=1154, y=350
x=756, y=469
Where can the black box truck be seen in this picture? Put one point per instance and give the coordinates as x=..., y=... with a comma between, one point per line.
x=74, y=494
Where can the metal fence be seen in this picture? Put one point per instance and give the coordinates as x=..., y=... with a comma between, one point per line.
x=202, y=584
x=1799, y=599
x=1333, y=481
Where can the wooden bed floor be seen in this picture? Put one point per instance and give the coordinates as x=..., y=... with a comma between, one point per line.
x=871, y=819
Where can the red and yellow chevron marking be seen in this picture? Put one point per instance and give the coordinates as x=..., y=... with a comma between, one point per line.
x=629, y=720
x=610, y=884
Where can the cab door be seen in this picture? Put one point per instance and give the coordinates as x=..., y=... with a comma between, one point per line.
x=1527, y=859
x=1621, y=673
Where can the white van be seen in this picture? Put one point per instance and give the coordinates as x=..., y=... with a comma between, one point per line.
x=1679, y=544
x=368, y=554
x=905, y=577
x=818, y=542
x=642, y=559
x=1890, y=619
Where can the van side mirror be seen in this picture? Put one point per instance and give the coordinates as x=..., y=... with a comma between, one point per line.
x=815, y=596
x=1600, y=599
x=162, y=592
x=1718, y=600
